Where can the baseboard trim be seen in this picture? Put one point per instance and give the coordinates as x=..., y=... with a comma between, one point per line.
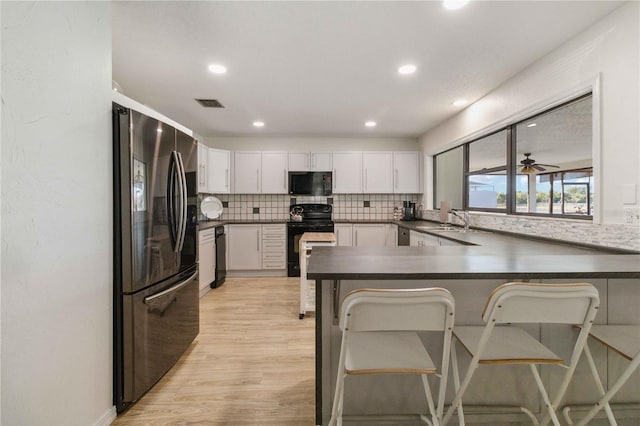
x=256, y=274
x=107, y=418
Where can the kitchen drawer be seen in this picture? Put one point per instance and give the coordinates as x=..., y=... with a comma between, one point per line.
x=274, y=244
x=274, y=264
x=274, y=232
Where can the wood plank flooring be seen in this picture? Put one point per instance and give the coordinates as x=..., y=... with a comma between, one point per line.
x=252, y=363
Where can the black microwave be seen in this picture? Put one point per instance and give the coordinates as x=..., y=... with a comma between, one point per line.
x=310, y=183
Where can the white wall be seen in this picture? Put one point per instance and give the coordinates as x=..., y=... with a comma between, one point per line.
x=611, y=49
x=313, y=144
x=56, y=295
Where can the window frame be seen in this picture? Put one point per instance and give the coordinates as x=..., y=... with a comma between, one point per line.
x=512, y=162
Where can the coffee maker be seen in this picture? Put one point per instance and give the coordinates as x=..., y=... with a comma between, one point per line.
x=409, y=210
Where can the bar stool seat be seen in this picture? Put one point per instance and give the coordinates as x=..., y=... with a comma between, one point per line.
x=506, y=344
x=383, y=352
x=624, y=339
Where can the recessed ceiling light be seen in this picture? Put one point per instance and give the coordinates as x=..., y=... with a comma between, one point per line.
x=532, y=125
x=159, y=129
x=258, y=124
x=460, y=102
x=218, y=69
x=371, y=124
x=407, y=69
x=454, y=4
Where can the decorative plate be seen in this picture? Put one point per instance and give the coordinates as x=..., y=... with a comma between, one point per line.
x=211, y=207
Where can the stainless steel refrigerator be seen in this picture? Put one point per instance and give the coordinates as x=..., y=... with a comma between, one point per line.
x=156, y=304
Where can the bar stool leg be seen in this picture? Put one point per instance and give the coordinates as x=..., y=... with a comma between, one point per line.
x=604, y=401
x=545, y=397
x=456, y=383
x=596, y=379
x=432, y=408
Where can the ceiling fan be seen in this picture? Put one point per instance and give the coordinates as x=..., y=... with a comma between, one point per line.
x=530, y=166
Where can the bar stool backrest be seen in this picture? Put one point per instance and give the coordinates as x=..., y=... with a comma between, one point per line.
x=396, y=310
x=541, y=303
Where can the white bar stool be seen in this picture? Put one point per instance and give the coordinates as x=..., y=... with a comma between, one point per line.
x=379, y=337
x=524, y=303
x=624, y=340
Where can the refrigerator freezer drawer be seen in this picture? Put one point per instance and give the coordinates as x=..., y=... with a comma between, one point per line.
x=164, y=322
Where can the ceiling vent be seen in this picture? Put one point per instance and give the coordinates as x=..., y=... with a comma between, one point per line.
x=210, y=103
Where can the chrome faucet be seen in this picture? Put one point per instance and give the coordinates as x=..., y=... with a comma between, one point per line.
x=464, y=217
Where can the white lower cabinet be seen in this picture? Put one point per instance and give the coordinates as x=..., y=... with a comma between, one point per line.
x=344, y=234
x=257, y=247
x=274, y=246
x=206, y=259
x=423, y=240
x=366, y=234
x=392, y=235
x=369, y=235
x=245, y=247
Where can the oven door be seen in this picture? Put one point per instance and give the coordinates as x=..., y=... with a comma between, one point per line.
x=294, y=233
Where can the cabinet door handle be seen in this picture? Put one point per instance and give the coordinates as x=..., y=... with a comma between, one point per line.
x=356, y=232
x=258, y=180
x=226, y=178
x=334, y=178
x=257, y=240
x=396, y=179
x=366, y=184
x=285, y=180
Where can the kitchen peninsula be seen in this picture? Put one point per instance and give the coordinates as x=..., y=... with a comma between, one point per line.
x=482, y=261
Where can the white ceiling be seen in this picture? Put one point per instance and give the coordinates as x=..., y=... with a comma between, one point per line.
x=324, y=68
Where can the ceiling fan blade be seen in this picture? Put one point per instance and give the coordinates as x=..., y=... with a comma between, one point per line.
x=547, y=165
x=538, y=168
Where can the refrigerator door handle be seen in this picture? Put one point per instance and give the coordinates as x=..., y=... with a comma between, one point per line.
x=170, y=290
x=171, y=208
x=182, y=221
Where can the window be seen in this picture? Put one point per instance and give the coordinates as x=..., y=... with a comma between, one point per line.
x=540, y=166
x=449, y=175
x=487, y=175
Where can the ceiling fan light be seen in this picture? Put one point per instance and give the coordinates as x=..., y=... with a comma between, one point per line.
x=528, y=170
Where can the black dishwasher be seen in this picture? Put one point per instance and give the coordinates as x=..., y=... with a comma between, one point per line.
x=404, y=237
x=221, y=257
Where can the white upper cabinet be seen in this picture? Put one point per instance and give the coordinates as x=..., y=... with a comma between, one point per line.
x=347, y=172
x=203, y=161
x=377, y=172
x=407, y=176
x=274, y=172
x=219, y=171
x=315, y=161
x=247, y=172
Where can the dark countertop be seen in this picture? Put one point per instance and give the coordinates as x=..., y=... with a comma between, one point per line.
x=510, y=259
x=202, y=225
x=342, y=221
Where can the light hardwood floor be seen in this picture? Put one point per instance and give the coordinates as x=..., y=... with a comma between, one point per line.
x=252, y=363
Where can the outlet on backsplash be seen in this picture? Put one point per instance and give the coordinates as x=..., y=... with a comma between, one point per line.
x=632, y=215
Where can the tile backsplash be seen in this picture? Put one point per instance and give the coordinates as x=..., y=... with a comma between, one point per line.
x=579, y=231
x=276, y=206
